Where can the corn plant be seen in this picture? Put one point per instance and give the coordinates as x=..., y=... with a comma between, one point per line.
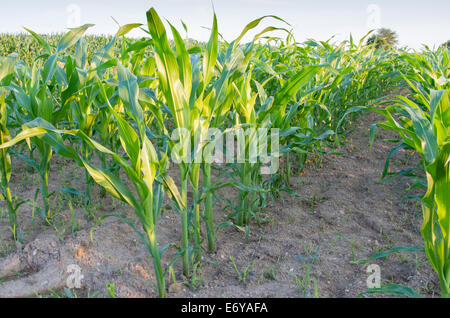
x=272, y=113
x=5, y=173
x=197, y=98
x=6, y=74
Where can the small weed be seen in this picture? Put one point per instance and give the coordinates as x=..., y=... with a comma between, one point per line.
x=242, y=275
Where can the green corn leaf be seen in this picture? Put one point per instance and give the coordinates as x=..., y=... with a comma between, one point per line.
x=294, y=84
x=25, y=134
x=71, y=37
x=123, y=30
x=41, y=41
x=149, y=158
x=112, y=184
x=129, y=92
x=129, y=140
x=389, y=251
x=184, y=62
x=168, y=71
x=211, y=53
x=392, y=289
x=49, y=68
x=424, y=132
x=253, y=25
x=6, y=66
x=173, y=190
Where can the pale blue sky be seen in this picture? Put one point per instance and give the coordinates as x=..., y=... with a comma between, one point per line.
x=416, y=22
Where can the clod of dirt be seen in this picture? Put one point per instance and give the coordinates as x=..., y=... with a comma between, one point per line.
x=35, y=269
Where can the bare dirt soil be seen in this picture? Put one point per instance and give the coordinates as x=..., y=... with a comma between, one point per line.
x=306, y=248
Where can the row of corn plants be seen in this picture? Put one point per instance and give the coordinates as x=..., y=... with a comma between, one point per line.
x=139, y=105
x=422, y=120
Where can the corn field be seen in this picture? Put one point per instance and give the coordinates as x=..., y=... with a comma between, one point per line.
x=145, y=121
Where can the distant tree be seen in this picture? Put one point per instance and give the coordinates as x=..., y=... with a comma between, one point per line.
x=383, y=37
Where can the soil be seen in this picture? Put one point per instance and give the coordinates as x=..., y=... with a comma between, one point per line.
x=342, y=213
